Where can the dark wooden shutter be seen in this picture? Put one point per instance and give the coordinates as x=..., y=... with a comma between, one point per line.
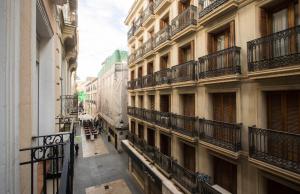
x=232, y=34
x=224, y=107
x=293, y=112
x=189, y=104
x=225, y=175
x=265, y=23
x=151, y=137
x=165, y=103
x=141, y=131
x=210, y=43
x=133, y=127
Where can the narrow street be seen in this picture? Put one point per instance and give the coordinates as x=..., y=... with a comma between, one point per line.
x=99, y=168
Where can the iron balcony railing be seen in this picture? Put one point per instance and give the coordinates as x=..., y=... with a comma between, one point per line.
x=150, y=151
x=162, y=36
x=163, y=119
x=132, y=58
x=281, y=149
x=139, y=113
x=148, y=81
x=148, y=46
x=206, y=188
x=131, y=31
x=208, y=6
x=225, y=135
x=138, y=23
x=131, y=84
x=140, y=52
x=186, y=18
x=157, y=3
x=54, y=155
x=138, y=83
x=69, y=105
x=149, y=115
x=224, y=62
x=163, y=76
x=131, y=110
x=163, y=161
x=186, y=125
x=279, y=49
x=184, y=72
x=184, y=177
x=148, y=11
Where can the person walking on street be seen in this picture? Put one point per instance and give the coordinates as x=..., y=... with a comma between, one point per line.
x=76, y=149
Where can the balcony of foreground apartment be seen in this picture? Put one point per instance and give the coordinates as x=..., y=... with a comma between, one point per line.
x=184, y=73
x=210, y=9
x=275, y=55
x=220, y=136
x=162, y=38
x=50, y=162
x=222, y=66
x=161, y=5
x=130, y=34
x=148, y=48
x=184, y=23
x=277, y=151
x=148, y=15
x=139, y=26
x=190, y=182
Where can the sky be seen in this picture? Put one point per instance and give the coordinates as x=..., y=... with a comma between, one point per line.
x=101, y=32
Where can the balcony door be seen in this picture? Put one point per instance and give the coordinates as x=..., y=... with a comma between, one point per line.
x=183, y=5
x=224, y=110
x=133, y=127
x=164, y=60
x=151, y=137
x=188, y=108
x=164, y=22
x=277, y=188
x=225, y=175
x=165, y=145
x=189, y=158
x=141, y=131
x=150, y=68
x=151, y=102
x=132, y=75
x=283, y=114
x=186, y=53
x=165, y=103
x=140, y=72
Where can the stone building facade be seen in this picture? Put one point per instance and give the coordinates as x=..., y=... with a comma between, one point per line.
x=214, y=96
x=112, y=96
x=38, y=67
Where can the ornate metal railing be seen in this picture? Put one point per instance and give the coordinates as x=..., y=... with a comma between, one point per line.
x=131, y=32
x=184, y=72
x=140, y=52
x=184, y=177
x=148, y=11
x=225, y=135
x=278, y=148
x=185, y=19
x=138, y=23
x=163, y=76
x=163, y=161
x=186, y=125
x=276, y=50
x=163, y=119
x=162, y=36
x=148, y=81
x=69, y=105
x=148, y=46
x=131, y=110
x=204, y=187
x=54, y=158
x=131, y=84
x=138, y=83
x=208, y=6
x=139, y=113
x=132, y=58
x=223, y=62
x=150, y=151
x=157, y=3
x=149, y=115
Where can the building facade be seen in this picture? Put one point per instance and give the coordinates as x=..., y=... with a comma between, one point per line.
x=38, y=69
x=90, y=105
x=112, y=97
x=214, y=96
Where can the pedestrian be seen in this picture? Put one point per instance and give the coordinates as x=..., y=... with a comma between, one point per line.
x=76, y=149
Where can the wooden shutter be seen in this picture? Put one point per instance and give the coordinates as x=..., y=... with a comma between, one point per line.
x=210, y=43
x=232, y=34
x=189, y=104
x=164, y=103
x=224, y=107
x=141, y=131
x=264, y=22
x=151, y=137
x=133, y=127
x=225, y=175
x=189, y=159
x=293, y=112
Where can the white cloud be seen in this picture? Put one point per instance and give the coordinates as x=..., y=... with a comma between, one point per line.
x=101, y=31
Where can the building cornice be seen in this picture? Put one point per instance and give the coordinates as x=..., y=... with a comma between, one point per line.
x=132, y=11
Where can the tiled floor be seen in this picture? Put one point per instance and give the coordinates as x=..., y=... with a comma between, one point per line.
x=114, y=187
x=96, y=171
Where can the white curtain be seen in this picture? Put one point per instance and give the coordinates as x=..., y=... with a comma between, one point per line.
x=280, y=22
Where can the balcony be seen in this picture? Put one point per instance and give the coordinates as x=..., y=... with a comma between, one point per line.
x=209, y=6
x=162, y=38
x=224, y=135
x=140, y=53
x=204, y=187
x=138, y=83
x=148, y=15
x=184, y=72
x=149, y=115
x=131, y=58
x=130, y=33
x=163, y=161
x=184, y=177
x=148, y=81
x=161, y=5
x=281, y=149
x=139, y=26
x=163, y=76
x=131, y=110
x=186, y=19
x=185, y=125
x=131, y=84
x=278, y=50
x=148, y=47
x=221, y=63
x=163, y=119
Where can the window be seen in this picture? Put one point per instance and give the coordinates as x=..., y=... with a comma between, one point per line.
x=164, y=61
x=186, y=53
